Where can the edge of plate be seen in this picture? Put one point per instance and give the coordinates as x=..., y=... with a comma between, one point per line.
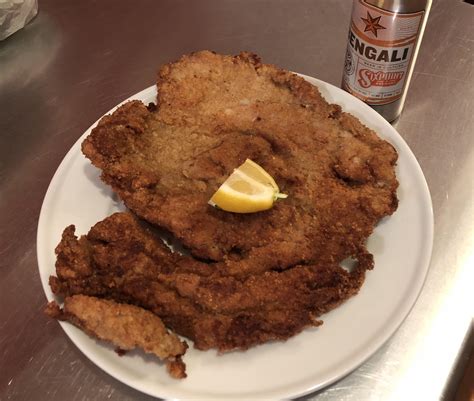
x=298, y=389
x=40, y=249
x=425, y=253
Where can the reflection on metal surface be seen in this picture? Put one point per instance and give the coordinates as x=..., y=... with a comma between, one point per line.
x=27, y=54
x=78, y=59
x=460, y=386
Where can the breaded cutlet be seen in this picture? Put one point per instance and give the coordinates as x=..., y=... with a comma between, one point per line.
x=125, y=326
x=123, y=259
x=213, y=112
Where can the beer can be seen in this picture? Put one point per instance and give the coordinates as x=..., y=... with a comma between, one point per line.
x=383, y=42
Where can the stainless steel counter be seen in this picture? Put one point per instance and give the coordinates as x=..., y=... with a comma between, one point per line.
x=76, y=60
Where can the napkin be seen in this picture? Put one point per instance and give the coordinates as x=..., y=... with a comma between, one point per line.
x=15, y=14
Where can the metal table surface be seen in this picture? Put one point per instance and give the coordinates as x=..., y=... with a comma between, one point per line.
x=76, y=60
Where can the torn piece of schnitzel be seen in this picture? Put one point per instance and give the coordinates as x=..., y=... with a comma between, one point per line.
x=126, y=326
x=123, y=259
x=213, y=113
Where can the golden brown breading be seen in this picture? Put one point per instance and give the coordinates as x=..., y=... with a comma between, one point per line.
x=214, y=112
x=128, y=262
x=125, y=326
x=252, y=278
x=176, y=368
x=206, y=89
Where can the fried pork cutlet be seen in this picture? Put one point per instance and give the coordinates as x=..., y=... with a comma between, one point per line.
x=124, y=260
x=213, y=113
x=125, y=326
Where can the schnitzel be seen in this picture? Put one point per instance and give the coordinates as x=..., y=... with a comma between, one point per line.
x=122, y=259
x=247, y=278
x=125, y=326
x=213, y=112
x=125, y=260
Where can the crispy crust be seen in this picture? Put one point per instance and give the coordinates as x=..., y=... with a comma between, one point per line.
x=229, y=80
x=129, y=263
x=251, y=278
x=214, y=112
x=125, y=326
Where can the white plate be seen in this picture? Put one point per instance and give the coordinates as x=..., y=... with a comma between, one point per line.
x=309, y=361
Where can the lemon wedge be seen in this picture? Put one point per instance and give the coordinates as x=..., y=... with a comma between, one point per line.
x=248, y=189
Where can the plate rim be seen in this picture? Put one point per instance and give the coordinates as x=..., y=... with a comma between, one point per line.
x=388, y=331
